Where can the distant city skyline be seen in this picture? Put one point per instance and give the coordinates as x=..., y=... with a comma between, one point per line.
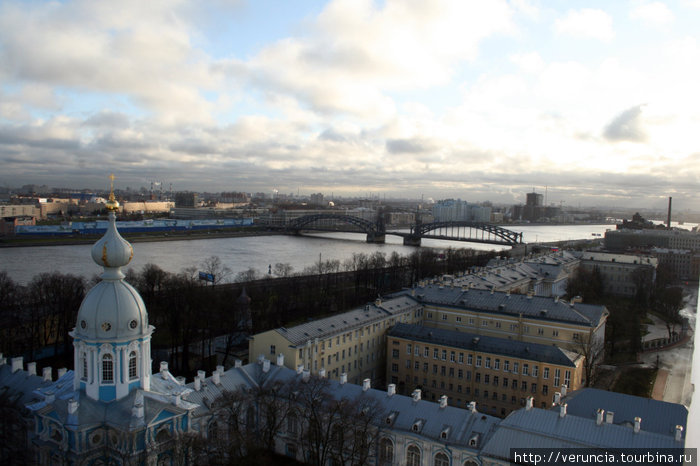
x=480, y=101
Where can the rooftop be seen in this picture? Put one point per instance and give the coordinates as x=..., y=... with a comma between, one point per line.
x=500, y=346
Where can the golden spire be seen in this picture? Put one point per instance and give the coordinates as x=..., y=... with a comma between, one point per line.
x=112, y=203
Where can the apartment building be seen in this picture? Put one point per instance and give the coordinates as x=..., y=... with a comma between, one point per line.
x=527, y=318
x=618, y=270
x=497, y=373
x=352, y=342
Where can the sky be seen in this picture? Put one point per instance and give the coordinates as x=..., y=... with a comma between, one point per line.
x=595, y=102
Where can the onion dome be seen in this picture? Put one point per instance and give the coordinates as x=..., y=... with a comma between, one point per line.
x=112, y=309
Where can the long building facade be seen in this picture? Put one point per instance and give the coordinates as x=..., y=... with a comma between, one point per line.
x=499, y=374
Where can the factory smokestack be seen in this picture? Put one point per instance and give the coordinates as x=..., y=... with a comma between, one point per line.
x=668, y=220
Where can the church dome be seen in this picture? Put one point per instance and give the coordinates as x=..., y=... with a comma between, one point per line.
x=112, y=310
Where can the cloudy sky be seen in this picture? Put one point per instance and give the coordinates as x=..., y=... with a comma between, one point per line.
x=484, y=100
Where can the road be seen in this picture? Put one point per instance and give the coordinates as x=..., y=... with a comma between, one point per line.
x=678, y=361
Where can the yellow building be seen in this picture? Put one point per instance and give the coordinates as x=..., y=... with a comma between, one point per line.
x=498, y=374
x=527, y=318
x=351, y=343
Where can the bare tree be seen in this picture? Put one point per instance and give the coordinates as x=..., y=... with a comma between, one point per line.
x=592, y=352
x=282, y=269
x=214, y=267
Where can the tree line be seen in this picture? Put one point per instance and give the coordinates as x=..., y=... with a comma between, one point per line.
x=189, y=314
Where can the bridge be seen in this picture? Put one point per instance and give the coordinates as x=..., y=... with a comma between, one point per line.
x=472, y=232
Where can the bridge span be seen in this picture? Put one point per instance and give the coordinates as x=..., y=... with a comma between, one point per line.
x=472, y=232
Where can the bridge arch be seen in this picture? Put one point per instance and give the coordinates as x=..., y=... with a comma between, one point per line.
x=501, y=235
x=366, y=226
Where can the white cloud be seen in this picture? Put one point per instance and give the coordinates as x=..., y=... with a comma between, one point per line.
x=586, y=23
x=655, y=13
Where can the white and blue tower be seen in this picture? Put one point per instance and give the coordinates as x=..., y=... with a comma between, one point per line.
x=112, y=337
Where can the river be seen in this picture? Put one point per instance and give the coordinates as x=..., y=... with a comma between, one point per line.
x=256, y=252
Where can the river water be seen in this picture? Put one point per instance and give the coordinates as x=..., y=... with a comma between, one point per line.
x=256, y=252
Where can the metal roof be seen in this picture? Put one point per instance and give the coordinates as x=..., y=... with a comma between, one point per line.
x=534, y=307
x=340, y=323
x=473, y=342
x=538, y=428
x=657, y=416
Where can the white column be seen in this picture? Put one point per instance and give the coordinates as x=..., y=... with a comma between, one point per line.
x=77, y=367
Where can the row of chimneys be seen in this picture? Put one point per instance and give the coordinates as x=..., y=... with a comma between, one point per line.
x=18, y=365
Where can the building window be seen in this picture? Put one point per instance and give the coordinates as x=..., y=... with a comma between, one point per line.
x=567, y=378
x=408, y=349
x=394, y=368
x=459, y=319
x=386, y=451
x=555, y=333
x=478, y=377
x=425, y=367
x=469, y=359
x=408, y=364
x=292, y=424
x=505, y=382
x=461, y=358
x=435, y=353
x=545, y=373
x=416, y=365
x=497, y=364
x=495, y=380
x=394, y=353
x=557, y=375
x=444, y=316
x=488, y=363
x=460, y=373
x=444, y=355
x=452, y=356
x=426, y=352
x=533, y=388
x=434, y=368
x=413, y=456
x=516, y=366
x=506, y=365
x=523, y=386
x=442, y=370
x=469, y=375
x=107, y=368
x=535, y=370
x=478, y=361
x=441, y=460
x=487, y=378
x=486, y=394
x=452, y=371
x=471, y=321
x=272, y=349
x=540, y=331
x=545, y=389
x=132, y=365
x=84, y=365
x=417, y=352
x=526, y=369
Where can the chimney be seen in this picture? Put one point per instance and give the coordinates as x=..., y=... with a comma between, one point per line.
x=472, y=407
x=391, y=389
x=17, y=364
x=366, y=384
x=343, y=378
x=237, y=363
x=679, y=433
x=61, y=372
x=280, y=359
x=300, y=369
x=599, y=416
x=668, y=220
x=443, y=401
x=528, y=403
x=31, y=368
x=305, y=375
x=216, y=378
x=416, y=394
x=164, y=370
x=322, y=373
x=46, y=373
x=637, y=424
x=609, y=417
x=137, y=410
x=3, y=360
x=378, y=302
x=563, y=391
x=197, y=383
x=266, y=365
x=72, y=406
x=562, y=410
x=202, y=375
x=220, y=369
x=557, y=398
